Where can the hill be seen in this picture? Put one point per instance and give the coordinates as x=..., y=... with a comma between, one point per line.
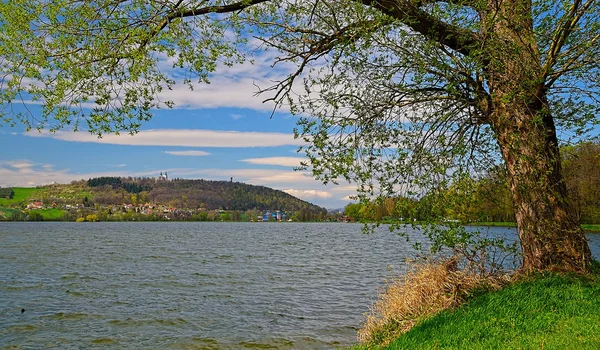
x=188, y=196
x=195, y=194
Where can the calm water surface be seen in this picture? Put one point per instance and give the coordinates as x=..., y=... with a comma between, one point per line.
x=192, y=285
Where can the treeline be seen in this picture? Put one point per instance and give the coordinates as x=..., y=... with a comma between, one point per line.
x=116, y=182
x=487, y=198
x=197, y=194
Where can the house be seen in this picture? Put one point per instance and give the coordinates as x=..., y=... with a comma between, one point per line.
x=276, y=216
x=36, y=205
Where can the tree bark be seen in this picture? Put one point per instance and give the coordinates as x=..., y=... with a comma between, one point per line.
x=549, y=231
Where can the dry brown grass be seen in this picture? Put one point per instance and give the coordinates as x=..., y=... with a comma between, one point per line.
x=426, y=289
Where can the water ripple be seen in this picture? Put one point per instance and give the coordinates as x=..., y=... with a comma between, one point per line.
x=192, y=285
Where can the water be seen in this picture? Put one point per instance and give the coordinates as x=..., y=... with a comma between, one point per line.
x=192, y=285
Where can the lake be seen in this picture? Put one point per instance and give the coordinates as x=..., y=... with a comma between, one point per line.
x=193, y=285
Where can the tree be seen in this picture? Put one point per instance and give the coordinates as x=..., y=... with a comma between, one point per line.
x=35, y=216
x=582, y=175
x=400, y=95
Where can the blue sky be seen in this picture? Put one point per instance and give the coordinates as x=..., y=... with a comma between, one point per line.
x=214, y=132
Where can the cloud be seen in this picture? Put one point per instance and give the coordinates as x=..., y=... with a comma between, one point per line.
x=188, y=153
x=19, y=164
x=180, y=137
x=282, y=161
x=230, y=86
x=236, y=116
x=308, y=194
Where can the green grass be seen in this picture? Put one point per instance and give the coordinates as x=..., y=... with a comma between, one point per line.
x=51, y=214
x=22, y=195
x=8, y=212
x=543, y=312
x=591, y=228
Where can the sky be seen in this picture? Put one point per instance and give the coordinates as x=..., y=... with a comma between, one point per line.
x=215, y=132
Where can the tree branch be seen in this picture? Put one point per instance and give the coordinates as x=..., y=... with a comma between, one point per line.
x=568, y=24
x=182, y=13
x=409, y=13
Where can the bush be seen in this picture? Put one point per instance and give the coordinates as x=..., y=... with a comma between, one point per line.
x=35, y=216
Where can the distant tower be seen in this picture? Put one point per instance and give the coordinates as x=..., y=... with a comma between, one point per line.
x=231, y=180
x=166, y=176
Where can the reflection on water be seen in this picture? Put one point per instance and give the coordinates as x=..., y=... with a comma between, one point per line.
x=192, y=285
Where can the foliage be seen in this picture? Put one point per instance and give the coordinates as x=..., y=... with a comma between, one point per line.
x=7, y=193
x=105, y=180
x=35, y=216
x=115, y=182
x=486, y=199
x=51, y=214
x=220, y=195
x=582, y=175
x=12, y=214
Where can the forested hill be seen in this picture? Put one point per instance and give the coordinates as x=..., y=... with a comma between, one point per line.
x=194, y=194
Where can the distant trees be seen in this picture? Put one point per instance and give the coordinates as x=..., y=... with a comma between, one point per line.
x=582, y=175
x=105, y=180
x=116, y=182
x=7, y=193
x=35, y=216
x=196, y=194
x=487, y=198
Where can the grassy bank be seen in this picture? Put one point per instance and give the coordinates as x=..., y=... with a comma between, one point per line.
x=591, y=228
x=542, y=312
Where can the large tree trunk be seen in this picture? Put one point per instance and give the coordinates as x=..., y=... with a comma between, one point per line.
x=551, y=236
x=549, y=231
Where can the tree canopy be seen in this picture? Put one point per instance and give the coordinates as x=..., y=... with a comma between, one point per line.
x=395, y=95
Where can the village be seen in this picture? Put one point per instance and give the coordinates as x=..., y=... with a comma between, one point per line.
x=151, y=212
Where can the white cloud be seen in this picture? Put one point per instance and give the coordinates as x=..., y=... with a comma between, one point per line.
x=308, y=194
x=180, y=137
x=282, y=161
x=188, y=153
x=19, y=164
x=230, y=86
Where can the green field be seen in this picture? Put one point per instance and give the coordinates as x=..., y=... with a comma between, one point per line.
x=591, y=228
x=7, y=213
x=50, y=214
x=22, y=195
x=543, y=312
